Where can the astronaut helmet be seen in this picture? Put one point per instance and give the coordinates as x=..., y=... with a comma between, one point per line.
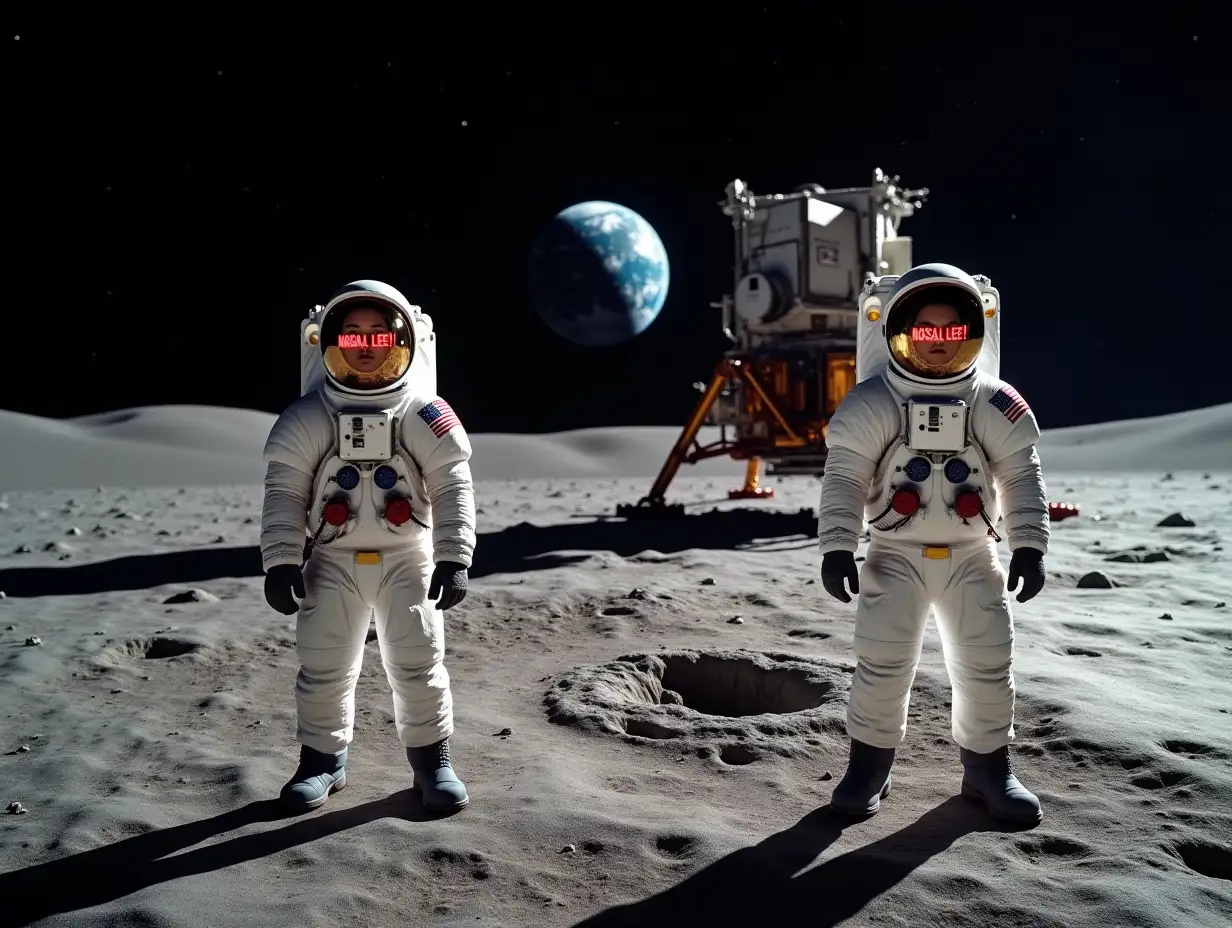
x=934, y=324
x=367, y=338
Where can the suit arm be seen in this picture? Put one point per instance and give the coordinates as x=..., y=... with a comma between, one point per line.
x=442, y=450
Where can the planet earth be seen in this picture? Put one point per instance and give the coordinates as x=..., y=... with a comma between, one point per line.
x=598, y=274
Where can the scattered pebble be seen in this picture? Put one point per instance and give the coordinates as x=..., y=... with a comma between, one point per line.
x=1095, y=581
x=34, y=642
x=15, y=808
x=1175, y=520
x=504, y=733
x=735, y=620
x=190, y=596
x=568, y=849
x=708, y=581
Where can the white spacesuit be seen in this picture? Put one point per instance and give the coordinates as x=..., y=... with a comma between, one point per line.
x=938, y=457
x=368, y=476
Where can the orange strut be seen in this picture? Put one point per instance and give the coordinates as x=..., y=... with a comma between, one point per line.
x=722, y=374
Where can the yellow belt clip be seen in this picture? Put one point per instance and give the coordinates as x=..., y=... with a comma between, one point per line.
x=936, y=552
x=367, y=557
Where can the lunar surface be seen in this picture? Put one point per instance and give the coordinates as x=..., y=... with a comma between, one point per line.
x=650, y=715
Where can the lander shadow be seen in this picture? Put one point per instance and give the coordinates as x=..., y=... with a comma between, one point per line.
x=516, y=549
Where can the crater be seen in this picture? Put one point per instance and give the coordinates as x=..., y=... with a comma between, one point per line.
x=765, y=703
x=157, y=648
x=613, y=611
x=736, y=755
x=1205, y=858
x=674, y=845
x=641, y=728
x=737, y=687
x=808, y=633
x=1192, y=748
x=160, y=648
x=1082, y=652
x=1161, y=779
x=1052, y=846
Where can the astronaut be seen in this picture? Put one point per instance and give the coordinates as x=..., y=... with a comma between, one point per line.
x=934, y=454
x=368, y=480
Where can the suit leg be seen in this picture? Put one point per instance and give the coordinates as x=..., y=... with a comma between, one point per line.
x=330, y=630
x=411, y=632
x=977, y=635
x=891, y=615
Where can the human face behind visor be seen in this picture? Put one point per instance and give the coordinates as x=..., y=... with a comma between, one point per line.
x=366, y=344
x=937, y=332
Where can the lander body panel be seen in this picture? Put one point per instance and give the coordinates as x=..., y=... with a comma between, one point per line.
x=793, y=320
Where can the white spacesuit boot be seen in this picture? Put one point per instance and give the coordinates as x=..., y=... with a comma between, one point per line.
x=375, y=474
x=931, y=452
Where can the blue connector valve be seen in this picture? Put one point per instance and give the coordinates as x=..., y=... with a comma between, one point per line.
x=385, y=477
x=957, y=470
x=347, y=477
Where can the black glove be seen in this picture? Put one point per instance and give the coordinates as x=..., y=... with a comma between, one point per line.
x=837, y=566
x=280, y=580
x=1027, y=565
x=449, y=583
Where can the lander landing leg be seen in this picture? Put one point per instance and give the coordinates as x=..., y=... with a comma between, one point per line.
x=688, y=451
x=752, y=480
x=685, y=451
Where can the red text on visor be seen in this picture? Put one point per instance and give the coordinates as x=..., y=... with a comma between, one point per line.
x=367, y=340
x=939, y=333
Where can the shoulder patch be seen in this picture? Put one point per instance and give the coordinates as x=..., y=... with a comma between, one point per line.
x=1009, y=403
x=439, y=416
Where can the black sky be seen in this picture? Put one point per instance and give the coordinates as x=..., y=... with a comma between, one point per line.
x=186, y=190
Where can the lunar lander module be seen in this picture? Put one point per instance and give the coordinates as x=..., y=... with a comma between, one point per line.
x=802, y=261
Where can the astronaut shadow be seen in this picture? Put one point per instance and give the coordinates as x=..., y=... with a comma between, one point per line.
x=105, y=874
x=525, y=547
x=769, y=883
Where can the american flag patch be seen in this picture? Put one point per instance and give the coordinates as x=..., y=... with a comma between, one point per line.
x=439, y=416
x=1010, y=404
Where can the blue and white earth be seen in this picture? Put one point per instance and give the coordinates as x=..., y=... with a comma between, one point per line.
x=598, y=274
